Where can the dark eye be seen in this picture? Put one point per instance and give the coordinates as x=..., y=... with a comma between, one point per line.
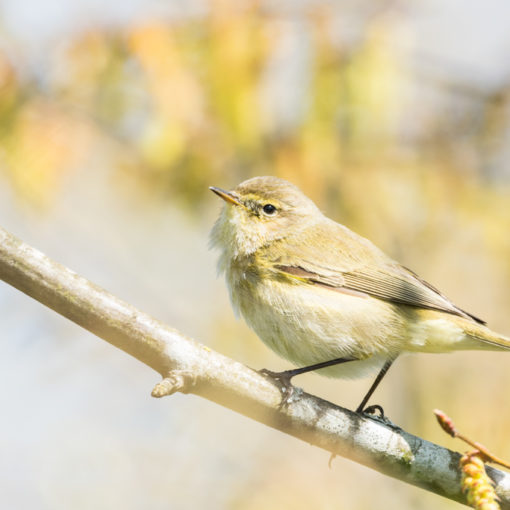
x=269, y=209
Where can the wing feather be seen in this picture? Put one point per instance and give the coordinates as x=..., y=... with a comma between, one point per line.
x=394, y=284
x=351, y=263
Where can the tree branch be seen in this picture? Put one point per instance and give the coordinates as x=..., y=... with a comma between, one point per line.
x=190, y=367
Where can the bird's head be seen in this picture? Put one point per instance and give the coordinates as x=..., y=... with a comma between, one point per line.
x=260, y=211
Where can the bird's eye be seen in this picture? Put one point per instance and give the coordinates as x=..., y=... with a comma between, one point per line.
x=269, y=209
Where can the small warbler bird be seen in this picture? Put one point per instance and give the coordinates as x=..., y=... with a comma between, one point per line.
x=324, y=297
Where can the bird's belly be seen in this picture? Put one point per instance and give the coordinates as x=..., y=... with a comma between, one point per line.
x=308, y=324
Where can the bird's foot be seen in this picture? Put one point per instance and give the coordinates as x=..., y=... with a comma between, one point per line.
x=376, y=412
x=290, y=393
x=372, y=411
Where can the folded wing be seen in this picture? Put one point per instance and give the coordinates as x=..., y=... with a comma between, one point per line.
x=380, y=277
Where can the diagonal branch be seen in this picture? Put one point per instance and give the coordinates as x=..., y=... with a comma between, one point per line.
x=190, y=367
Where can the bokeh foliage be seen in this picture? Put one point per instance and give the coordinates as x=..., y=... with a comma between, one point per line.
x=183, y=103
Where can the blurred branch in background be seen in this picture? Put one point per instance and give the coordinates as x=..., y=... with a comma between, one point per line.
x=193, y=368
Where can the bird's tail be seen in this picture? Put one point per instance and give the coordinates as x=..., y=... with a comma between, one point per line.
x=489, y=339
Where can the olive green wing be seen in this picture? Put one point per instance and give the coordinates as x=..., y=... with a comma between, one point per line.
x=354, y=265
x=394, y=284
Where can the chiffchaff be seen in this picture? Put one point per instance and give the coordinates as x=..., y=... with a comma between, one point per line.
x=320, y=295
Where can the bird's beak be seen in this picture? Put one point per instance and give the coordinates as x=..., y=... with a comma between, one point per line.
x=228, y=196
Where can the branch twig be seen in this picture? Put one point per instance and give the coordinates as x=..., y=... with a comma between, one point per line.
x=190, y=367
x=449, y=427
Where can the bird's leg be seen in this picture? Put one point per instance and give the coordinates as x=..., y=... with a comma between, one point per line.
x=282, y=379
x=371, y=409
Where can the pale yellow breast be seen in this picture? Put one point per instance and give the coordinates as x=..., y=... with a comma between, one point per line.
x=308, y=324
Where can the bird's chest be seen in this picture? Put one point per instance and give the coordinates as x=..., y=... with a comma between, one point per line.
x=260, y=300
x=306, y=323
x=286, y=317
x=245, y=286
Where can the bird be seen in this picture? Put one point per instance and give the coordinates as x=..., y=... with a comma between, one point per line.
x=325, y=298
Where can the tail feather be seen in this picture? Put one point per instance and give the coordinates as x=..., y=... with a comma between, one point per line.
x=493, y=341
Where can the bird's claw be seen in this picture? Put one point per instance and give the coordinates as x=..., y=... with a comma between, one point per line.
x=371, y=412
x=290, y=393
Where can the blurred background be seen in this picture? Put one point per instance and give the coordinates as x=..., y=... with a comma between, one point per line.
x=115, y=117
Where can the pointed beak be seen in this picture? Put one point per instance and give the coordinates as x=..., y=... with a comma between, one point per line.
x=228, y=196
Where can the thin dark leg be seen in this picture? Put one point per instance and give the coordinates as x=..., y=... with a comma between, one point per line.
x=310, y=368
x=283, y=378
x=378, y=379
